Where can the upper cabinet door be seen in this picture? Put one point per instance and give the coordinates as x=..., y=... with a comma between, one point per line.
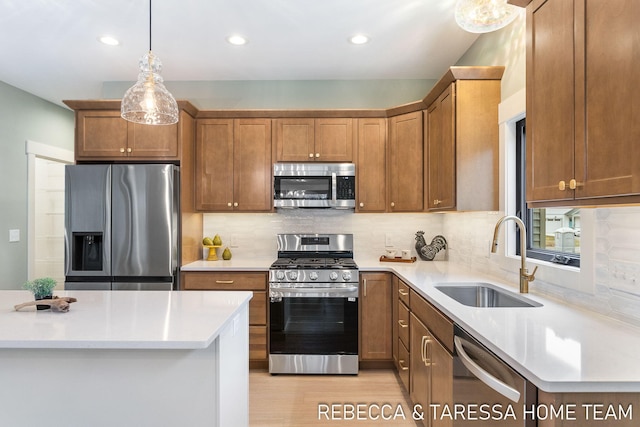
x=608, y=104
x=153, y=141
x=405, y=176
x=294, y=140
x=252, y=186
x=214, y=165
x=371, y=165
x=550, y=99
x=100, y=134
x=333, y=140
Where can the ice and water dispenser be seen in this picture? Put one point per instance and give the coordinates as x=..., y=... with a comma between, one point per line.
x=87, y=252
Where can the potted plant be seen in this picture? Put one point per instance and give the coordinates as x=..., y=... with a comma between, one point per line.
x=42, y=288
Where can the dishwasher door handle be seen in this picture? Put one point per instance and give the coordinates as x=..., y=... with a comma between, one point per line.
x=491, y=381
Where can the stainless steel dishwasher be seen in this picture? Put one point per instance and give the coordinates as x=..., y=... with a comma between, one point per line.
x=487, y=391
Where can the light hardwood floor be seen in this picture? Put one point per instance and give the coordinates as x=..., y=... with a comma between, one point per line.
x=296, y=400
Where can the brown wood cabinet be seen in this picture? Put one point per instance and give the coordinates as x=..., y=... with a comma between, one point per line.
x=371, y=165
x=431, y=364
x=405, y=169
x=102, y=135
x=582, y=131
x=400, y=333
x=233, y=165
x=321, y=140
x=258, y=307
x=461, y=141
x=375, y=316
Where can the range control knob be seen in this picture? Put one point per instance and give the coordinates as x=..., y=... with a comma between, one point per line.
x=313, y=275
x=346, y=276
x=293, y=275
x=280, y=275
x=333, y=275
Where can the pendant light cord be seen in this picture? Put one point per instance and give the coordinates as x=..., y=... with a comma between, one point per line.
x=149, y=25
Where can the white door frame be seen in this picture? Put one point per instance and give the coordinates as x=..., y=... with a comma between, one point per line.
x=37, y=149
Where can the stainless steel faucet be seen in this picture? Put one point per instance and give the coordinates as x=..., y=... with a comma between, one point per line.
x=525, y=277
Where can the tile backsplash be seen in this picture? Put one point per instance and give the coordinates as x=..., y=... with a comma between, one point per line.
x=614, y=263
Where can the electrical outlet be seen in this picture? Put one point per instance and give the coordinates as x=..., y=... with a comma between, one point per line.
x=388, y=240
x=233, y=241
x=14, y=235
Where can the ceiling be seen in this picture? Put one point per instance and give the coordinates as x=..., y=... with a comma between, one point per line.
x=50, y=48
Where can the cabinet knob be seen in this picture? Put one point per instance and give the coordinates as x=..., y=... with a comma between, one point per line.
x=311, y=155
x=361, y=205
x=229, y=204
x=129, y=150
x=317, y=155
x=393, y=204
x=235, y=204
x=573, y=184
x=122, y=150
x=562, y=186
x=437, y=202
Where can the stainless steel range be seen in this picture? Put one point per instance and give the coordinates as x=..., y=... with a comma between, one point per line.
x=313, y=294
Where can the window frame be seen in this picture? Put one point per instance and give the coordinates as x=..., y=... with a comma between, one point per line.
x=525, y=213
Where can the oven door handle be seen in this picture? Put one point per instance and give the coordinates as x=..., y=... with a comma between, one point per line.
x=334, y=189
x=491, y=381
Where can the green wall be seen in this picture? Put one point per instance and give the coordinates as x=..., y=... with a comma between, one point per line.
x=290, y=94
x=23, y=117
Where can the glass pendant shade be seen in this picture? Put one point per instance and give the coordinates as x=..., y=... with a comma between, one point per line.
x=483, y=16
x=148, y=101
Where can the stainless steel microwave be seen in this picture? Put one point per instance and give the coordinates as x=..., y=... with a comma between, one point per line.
x=314, y=185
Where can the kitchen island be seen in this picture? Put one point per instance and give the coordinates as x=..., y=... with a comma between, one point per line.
x=126, y=358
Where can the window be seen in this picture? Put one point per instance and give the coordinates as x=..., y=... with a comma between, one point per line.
x=553, y=234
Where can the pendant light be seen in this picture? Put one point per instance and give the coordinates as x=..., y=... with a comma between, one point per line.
x=148, y=101
x=483, y=16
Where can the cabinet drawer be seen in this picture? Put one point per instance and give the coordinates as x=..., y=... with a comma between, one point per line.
x=438, y=323
x=258, y=342
x=223, y=281
x=403, y=364
x=403, y=324
x=403, y=292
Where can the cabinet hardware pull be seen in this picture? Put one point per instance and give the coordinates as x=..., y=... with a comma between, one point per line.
x=426, y=357
x=364, y=282
x=403, y=292
x=402, y=367
x=573, y=184
x=310, y=155
x=122, y=150
x=317, y=155
x=437, y=202
x=403, y=324
x=562, y=186
x=129, y=150
x=235, y=204
x=393, y=204
x=229, y=204
x=361, y=205
x=224, y=282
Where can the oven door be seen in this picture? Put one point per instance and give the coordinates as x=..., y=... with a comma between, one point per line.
x=313, y=330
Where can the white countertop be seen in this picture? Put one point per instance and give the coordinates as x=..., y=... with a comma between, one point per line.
x=120, y=319
x=558, y=347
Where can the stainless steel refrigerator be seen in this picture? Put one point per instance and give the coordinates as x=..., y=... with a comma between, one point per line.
x=121, y=227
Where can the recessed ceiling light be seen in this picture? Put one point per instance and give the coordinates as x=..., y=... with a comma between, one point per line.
x=108, y=40
x=237, y=40
x=359, y=39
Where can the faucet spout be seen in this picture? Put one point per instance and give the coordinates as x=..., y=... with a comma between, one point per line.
x=525, y=277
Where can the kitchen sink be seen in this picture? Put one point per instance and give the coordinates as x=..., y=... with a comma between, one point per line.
x=484, y=295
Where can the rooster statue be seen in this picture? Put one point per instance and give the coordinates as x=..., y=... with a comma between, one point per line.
x=428, y=252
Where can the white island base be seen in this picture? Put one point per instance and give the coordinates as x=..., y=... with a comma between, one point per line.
x=127, y=359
